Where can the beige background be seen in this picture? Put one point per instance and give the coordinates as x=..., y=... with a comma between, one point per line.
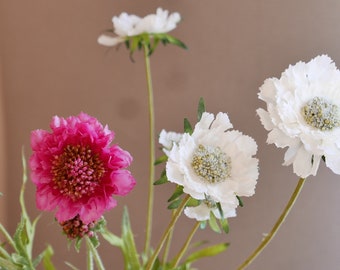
x=51, y=64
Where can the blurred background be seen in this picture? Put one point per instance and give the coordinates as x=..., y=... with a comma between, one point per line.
x=52, y=65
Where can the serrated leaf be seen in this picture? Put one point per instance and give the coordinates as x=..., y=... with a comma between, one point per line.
x=207, y=252
x=161, y=159
x=213, y=223
x=187, y=126
x=175, y=204
x=200, y=109
x=177, y=193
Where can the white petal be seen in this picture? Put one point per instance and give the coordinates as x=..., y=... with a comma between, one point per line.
x=221, y=122
x=109, y=41
x=265, y=119
x=333, y=162
x=302, y=164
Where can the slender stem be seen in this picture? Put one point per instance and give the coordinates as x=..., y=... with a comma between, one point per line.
x=152, y=151
x=276, y=227
x=95, y=254
x=89, y=258
x=186, y=245
x=167, y=246
x=166, y=233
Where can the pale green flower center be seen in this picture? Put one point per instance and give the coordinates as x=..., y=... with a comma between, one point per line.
x=211, y=164
x=208, y=201
x=321, y=114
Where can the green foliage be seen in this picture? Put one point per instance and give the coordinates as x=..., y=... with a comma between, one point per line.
x=21, y=244
x=126, y=243
x=200, y=109
x=150, y=42
x=207, y=252
x=162, y=180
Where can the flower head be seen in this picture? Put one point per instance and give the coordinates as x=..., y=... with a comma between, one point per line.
x=303, y=114
x=214, y=165
x=75, y=169
x=153, y=26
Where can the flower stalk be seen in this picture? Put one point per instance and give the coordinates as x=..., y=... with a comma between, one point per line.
x=167, y=232
x=152, y=149
x=276, y=227
x=186, y=245
x=93, y=252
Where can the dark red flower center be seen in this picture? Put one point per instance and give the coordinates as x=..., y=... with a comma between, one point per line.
x=75, y=228
x=77, y=171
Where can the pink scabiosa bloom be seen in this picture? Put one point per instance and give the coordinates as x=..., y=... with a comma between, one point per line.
x=75, y=169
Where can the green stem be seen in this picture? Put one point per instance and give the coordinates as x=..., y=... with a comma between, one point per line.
x=276, y=227
x=167, y=232
x=95, y=254
x=167, y=247
x=186, y=245
x=89, y=258
x=152, y=151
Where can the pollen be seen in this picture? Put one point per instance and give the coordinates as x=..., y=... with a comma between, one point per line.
x=321, y=114
x=77, y=171
x=211, y=164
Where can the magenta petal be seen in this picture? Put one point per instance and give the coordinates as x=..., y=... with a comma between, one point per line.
x=119, y=158
x=45, y=198
x=82, y=186
x=94, y=209
x=67, y=210
x=123, y=182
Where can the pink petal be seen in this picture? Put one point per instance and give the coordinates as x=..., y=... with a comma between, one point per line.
x=123, y=182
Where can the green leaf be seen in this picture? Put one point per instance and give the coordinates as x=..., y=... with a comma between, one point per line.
x=225, y=225
x=129, y=247
x=240, y=202
x=47, y=255
x=162, y=180
x=175, y=204
x=113, y=239
x=207, y=252
x=172, y=40
x=213, y=223
x=200, y=109
x=193, y=202
x=95, y=241
x=8, y=264
x=71, y=266
x=161, y=159
x=187, y=126
x=177, y=193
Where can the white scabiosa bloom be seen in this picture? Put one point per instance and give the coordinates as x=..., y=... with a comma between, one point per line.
x=303, y=114
x=214, y=165
x=126, y=26
x=167, y=139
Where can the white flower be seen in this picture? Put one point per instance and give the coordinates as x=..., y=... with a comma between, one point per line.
x=167, y=139
x=126, y=25
x=303, y=114
x=214, y=163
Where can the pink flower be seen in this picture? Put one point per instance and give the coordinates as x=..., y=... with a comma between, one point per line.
x=75, y=169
